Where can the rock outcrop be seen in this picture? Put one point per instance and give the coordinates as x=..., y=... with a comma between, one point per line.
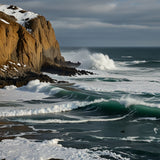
x=27, y=46
x=28, y=40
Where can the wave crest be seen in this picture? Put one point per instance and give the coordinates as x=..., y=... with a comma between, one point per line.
x=96, y=61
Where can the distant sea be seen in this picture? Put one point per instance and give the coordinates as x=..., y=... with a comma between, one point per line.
x=113, y=114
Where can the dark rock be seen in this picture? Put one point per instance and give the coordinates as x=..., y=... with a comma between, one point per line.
x=63, y=70
x=23, y=80
x=12, y=7
x=22, y=11
x=71, y=64
x=123, y=131
x=54, y=159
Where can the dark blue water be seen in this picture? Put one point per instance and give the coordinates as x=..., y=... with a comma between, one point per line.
x=116, y=112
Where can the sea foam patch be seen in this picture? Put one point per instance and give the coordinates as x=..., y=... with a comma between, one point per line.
x=43, y=109
x=21, y=148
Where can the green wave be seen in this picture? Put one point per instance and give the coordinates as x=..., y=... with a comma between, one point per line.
x=104, y=79
x=114, y=107
x=107, y=107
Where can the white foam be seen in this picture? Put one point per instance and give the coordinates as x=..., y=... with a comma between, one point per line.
x=90, y=60
x=130, y=138
x=145, y=119
x=128, y=101
x=71, y=121
x=43, y=109
x=43, y=130
x=139, y=62
x=11, y=87
x=155, y=130
x=126, y=56
x=140, y=82
x=138, y=139
x=36, y=86
x=135, y=86
x=14, y=94
x=34, y=90
x=21, y=148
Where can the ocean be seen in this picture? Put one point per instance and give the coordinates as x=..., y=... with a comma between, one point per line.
x=113, y=114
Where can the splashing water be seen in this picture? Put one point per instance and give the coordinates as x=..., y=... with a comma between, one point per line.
x=96, y=61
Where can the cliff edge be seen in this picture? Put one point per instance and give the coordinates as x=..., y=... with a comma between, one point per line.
x=28, y=45
x=27, y=38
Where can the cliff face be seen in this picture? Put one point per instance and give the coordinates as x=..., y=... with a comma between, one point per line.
x=29, y=41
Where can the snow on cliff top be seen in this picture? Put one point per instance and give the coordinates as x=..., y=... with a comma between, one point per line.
x=4, y=21
x=21, y=15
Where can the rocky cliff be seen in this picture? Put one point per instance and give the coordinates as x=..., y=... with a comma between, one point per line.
x=27, y=46
x=27, y=38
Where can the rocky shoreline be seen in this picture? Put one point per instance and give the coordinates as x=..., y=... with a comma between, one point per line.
x=29, y=76
x=23, y=80
x=64, y=70
x=16, y=74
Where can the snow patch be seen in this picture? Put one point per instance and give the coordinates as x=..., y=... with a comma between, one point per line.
x=21, y=15
x=18, y=64
x=11, y=62
x=5, y=67
x=4, y=21
x=2, y=70
x=15, y=69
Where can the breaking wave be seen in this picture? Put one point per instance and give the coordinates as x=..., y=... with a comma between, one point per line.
x=123, y=106
x=21, y=148
x=88, y=60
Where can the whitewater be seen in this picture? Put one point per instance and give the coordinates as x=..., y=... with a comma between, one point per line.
x=112, y=114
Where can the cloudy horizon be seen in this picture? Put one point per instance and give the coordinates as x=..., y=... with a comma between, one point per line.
x=100, y=23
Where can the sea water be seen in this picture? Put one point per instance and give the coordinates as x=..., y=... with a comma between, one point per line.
x=113, y=114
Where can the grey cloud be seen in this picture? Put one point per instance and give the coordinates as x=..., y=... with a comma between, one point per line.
x=82, y=23
x=137, y=12
x=137, y=20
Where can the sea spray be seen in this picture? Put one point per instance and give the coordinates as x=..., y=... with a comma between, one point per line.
x=88, y=60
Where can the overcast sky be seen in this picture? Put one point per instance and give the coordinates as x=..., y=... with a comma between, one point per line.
x=100, y=22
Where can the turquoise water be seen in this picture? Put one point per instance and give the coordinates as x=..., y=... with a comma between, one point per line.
x=114, y=113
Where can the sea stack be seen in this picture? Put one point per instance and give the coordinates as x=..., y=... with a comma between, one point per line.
x=27, y=38
x=28, y=45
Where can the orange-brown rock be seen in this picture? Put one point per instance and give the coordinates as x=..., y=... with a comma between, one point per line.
x=32, y=45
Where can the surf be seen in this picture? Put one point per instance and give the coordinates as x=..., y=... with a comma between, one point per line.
x=89, y=60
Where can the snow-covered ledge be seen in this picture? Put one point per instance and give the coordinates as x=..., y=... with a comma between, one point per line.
x=21, y=15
